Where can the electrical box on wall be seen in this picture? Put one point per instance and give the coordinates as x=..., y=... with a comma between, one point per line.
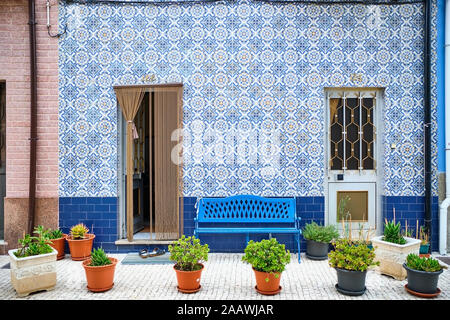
x=339, y=177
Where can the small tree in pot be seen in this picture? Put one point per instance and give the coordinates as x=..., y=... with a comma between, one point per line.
x=189, y=255
x=318, y=239
x=351, y=261
x=99, y=270
x=423, y=275
x=268, y=259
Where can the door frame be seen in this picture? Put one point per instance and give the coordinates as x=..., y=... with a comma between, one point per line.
x=121, y=152
x=379, y=149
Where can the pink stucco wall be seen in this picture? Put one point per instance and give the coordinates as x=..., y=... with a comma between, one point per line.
x=15, y=71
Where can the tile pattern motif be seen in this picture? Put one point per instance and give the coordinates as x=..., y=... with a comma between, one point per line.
x=245, y=65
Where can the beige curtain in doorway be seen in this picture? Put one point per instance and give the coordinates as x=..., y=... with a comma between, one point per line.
x=166, y=120
x=129, y=99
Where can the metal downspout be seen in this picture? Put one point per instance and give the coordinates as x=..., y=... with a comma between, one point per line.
x=427, y=119
x=33, y=116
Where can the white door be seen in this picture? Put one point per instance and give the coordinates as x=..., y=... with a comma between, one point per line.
x=351, y=166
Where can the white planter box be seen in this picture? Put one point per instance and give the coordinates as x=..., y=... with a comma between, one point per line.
x=34, y=273
x=392, y=256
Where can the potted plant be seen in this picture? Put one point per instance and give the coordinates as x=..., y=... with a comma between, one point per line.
x=351, y=261
x=80, y=242
x=392, y=248
x=57, y=241
x=318, y=239
x=268, y=259
x=99, y=270
x=33, y=265
x=189, y=255
x=423, y=275
x=424, y=243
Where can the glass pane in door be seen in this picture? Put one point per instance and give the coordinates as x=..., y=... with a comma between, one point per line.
x=352, y=205
x=352, y=133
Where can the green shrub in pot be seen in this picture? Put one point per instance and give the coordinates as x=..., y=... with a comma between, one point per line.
x=422, y=275
x=318, y=239
x=268, y=259
x=33, y=264
x=189, y=255
x=392, y=233
x=351, y=261
x=32, y=246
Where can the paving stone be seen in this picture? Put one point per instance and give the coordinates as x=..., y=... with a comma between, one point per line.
x=225, y=277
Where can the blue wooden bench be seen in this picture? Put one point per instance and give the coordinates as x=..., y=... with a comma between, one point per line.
x=246, y=209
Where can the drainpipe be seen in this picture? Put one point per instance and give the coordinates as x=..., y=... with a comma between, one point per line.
x=427, y=119
x=33, y=118
x=446, y=203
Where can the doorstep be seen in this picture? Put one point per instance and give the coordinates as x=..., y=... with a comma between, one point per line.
x=125, y=242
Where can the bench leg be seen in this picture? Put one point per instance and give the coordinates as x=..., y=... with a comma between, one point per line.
x=247, y=238
x=298, y=244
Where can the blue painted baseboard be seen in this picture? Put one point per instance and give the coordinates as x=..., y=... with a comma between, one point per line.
x=101, y=217
x=409, y=210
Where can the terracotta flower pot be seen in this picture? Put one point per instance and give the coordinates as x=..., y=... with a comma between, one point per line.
x=189, y=281
x=80, y=249
x=100, y=278
x=58, y=245
x=267, y=287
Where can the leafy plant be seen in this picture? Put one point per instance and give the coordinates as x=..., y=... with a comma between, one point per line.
x=55, y=234
x=188, y=253
x=267, y=256
x=315, y=232
x=31, y=246
x=78, y=231
x=413, y=261
x=351, y=256
x=392, y=233
x=99, y=258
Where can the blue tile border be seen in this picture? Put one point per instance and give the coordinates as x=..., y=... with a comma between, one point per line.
x=99, y=214
x=410, y=209
x=101, y=217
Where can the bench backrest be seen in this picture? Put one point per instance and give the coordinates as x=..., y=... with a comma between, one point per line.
x=246, y=208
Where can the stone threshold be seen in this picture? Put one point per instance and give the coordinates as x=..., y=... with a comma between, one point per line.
x=125, y=242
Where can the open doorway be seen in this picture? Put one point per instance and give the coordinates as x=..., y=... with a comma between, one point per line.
x=156, y=209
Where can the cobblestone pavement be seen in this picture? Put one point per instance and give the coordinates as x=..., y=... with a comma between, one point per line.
x=225, y=277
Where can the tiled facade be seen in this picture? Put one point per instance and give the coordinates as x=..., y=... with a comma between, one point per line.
x=245, y=65
x=250, y=65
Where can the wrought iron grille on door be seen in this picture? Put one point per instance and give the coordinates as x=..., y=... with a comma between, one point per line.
x=352, y=130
